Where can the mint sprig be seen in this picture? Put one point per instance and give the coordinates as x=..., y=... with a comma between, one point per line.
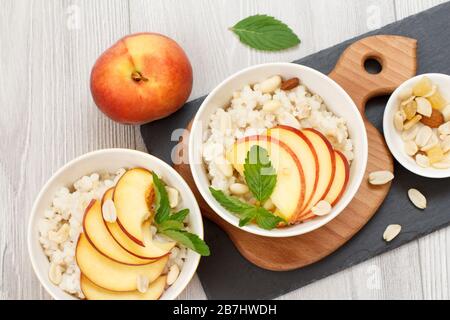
x=162, y=207
x=171, y=224
x=265, y=33
x=261, y=179
x=259, y=174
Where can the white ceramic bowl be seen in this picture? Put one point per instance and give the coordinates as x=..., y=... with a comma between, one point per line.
x=393, y=137
x=110, y=160
x=338, y=101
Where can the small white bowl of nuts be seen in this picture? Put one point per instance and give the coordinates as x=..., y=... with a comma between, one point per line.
x=416, y=125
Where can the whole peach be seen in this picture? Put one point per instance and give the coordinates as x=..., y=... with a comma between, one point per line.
x=141, y=78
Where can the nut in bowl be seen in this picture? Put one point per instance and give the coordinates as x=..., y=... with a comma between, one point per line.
x=416, y=125
x=278, y=149
x=115, y=224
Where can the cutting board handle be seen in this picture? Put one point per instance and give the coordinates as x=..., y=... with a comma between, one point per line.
x=395, y=54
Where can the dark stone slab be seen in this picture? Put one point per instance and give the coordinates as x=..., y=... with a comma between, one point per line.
x=227, y=275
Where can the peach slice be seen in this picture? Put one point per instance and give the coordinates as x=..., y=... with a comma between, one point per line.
x=290, y=174
x=109, y=274
x=327, y=166
x=151, y=250
x=99, y=236
x=133, y=198
x=338, y=186
x=340, y=180
x=305, y=152
x=93, y=292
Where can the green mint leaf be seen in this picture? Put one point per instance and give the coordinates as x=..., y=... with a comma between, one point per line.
x=170, y=224
x=162, y=207
x=180, y=215
x=189, y=240
x=266, y=219
x=248, y=216
x=259, y=174
x=232, y=204
x=266, y=33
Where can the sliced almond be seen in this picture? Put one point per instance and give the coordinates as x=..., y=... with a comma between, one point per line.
x=411, y=133
x=392, y=232
x=378, y=178
x=322, y=208
x=109, y=211
x=172, y=275
x=55, y=273
x=174, y=197
x=411, y=148
x=405, y=94
x=142, y=283
x=433, y=142
x=399, y=119
x=446, y=113
x=417, y=198
x=432, y=91
x=407, y=101
x=409, y=124
x=61, y=235
x=445, y=144
x=445, y=128
x=444, y=164
x=422, y=161
x=424, y=107
x=423, y=136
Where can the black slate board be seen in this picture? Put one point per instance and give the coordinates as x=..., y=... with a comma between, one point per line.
x=227, y=275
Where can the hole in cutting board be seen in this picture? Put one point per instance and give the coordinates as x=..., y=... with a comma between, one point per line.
x=373, y=65
x=375, y=110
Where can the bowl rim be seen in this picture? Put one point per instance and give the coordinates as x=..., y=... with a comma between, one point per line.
x=388, y=124
x=292, y=230
x=51, y=289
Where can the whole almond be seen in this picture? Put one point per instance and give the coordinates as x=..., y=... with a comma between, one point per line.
x=379, y=178
x=290, y=84
x=392, y=232
x=435, y=120
x=417, y=198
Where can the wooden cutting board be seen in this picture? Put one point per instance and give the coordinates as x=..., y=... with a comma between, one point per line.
x=397, y=57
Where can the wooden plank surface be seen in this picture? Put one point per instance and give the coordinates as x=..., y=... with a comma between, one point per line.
x=48, y=117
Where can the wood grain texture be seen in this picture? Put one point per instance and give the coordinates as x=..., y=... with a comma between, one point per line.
x=433, y=249
x=49, y=118
x=283, y=254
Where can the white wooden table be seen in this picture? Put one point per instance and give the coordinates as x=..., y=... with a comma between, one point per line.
x=47, y=116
